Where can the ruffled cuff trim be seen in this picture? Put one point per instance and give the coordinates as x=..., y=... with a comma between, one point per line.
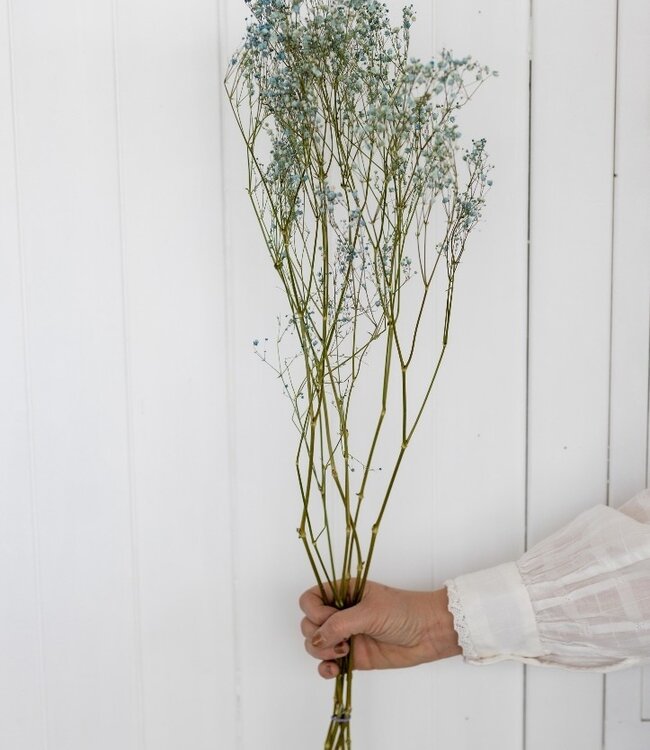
x=460, y=622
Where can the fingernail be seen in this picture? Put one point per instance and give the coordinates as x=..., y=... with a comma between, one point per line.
x=317, y=641
x=341, y=649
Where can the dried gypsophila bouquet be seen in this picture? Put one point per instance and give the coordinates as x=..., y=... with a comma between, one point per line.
x=351, y=145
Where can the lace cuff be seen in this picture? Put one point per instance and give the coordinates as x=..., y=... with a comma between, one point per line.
x=461, y=625
x=493, y=615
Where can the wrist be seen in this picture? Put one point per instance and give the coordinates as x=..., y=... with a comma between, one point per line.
x=443, y=635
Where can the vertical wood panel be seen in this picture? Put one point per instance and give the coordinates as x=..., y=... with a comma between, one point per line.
x=631, y=259
x=572, y=155
x=172, y=171
x=22, y=698
x=480, y=403
x=628, y=692
x=64, y=116
x=624, y=729
x=282, y=699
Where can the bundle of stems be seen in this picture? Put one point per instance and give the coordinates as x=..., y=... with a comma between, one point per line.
x=351, y=145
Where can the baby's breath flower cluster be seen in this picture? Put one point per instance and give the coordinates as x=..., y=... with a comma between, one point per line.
x=352, y=145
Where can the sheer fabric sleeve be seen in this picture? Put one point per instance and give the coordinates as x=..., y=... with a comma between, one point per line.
x=579, y=599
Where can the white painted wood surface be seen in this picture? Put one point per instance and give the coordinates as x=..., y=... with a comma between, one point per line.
x=627, y=706
x=149, y=567
x=479, y=407
x=572, y=137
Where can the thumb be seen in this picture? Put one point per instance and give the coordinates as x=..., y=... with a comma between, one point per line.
x=340, y=626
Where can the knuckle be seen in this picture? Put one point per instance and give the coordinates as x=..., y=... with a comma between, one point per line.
x=307, y=628
x=334, y=632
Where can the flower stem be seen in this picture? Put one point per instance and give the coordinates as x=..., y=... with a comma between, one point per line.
x=338, y=734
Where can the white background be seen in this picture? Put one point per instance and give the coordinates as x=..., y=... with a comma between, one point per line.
x=149, y=565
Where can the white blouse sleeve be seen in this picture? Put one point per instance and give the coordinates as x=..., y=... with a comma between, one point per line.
x=579, y=599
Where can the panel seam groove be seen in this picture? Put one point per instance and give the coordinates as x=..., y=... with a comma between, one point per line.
x=611, y=325
x=524, y=726
x=128, y=393
x=611, y=265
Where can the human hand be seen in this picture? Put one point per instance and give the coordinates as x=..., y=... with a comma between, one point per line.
x=390, y=628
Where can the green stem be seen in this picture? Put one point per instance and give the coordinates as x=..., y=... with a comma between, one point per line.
x=338, y=733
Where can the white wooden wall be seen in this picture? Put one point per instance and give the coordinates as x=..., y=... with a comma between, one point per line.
x=149, y=567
